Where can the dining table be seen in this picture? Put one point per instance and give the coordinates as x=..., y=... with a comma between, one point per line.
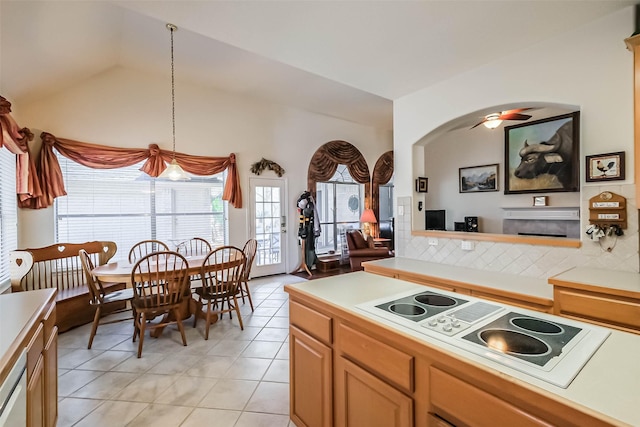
x=120, y=271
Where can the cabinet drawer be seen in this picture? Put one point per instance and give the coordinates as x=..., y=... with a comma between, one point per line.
x=312, y=322
x=34, y=350
x=392, y=364
x=49, y=321
x=459, y=402
x=596, y=306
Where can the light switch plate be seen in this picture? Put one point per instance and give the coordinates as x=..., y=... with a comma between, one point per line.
x=467, y=246
x=400, y=210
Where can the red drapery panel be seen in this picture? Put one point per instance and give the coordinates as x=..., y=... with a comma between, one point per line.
x=104, y=157
x=16, y=140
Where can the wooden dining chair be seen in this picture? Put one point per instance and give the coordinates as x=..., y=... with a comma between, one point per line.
x=249, y=251
x=159, y=282
x=145, y=247
x=221, y=274
x=194, y=246
x=103, y=296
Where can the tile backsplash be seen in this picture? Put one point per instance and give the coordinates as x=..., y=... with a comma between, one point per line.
x=523, y=259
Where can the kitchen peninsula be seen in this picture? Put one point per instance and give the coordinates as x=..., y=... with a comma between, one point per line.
x=351, y=367
x=27, y=324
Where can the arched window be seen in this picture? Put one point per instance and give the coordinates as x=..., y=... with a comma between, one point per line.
x=339, y=201
x=340, y=165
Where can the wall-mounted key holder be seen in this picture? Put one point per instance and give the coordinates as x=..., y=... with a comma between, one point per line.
x=607, y=210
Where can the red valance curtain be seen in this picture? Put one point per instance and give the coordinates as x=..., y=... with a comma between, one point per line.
x=16, y=140
x=104, y=157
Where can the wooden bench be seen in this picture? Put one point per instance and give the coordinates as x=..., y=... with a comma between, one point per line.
x=58, y=266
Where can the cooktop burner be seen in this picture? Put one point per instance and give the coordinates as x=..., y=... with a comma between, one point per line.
x=420, y=306
x=525, y=337
x=547, y=347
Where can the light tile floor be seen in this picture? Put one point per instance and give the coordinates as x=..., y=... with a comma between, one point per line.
x=235, y=379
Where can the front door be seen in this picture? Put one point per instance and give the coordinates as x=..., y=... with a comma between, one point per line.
x=268, y=225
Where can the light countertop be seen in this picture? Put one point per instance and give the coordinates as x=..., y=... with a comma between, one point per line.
x=18, y=313
x=624, y=281
x=607, y=384
x=537, y=287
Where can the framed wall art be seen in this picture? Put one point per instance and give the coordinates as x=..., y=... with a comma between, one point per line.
x=605, y=167
x=478, y=178
x=422, y=185
x=540, y=200
x=543, y=155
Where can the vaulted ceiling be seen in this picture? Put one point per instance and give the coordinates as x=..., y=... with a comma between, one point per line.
x=347, y=59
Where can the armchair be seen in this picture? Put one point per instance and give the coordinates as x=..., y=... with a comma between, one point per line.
x=361, y=250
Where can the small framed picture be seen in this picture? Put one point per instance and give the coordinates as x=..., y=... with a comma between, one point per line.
x=540, y=200
x=478, y=178
x=422, y=185
x=605, y=167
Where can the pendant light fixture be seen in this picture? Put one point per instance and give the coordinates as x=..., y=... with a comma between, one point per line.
x=173, y=172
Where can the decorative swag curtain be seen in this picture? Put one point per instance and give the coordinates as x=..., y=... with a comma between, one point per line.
x=16, y=140
x=326, y=159
x=104, y=157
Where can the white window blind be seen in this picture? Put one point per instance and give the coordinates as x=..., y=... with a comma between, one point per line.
x=8, y=214
x=339, y=203
x=126, y=206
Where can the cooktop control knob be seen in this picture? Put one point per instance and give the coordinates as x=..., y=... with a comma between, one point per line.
x=433, y=322
x=447, y=327
x=455, y=323
x=441, y=319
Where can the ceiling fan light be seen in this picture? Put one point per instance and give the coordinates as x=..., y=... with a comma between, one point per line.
x=492, y=123
x=174, y=172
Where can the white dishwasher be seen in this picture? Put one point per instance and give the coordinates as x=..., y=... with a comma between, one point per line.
x=13, y=395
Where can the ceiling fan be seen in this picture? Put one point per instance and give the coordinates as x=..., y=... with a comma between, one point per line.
x=493, y=120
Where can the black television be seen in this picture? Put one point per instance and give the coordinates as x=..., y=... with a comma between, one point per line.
x=435, y=219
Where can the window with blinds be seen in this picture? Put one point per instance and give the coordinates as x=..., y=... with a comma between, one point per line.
x=8, y=214
x=126, y=206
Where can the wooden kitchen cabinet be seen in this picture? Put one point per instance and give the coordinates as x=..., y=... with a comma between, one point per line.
x=51, y=379
x=598, y=296
x=35, y=379
x=350, y=371
x=362, y=399
x=601, y=308
x=28, y=324
x=633, y=44
x=311, y=368
x=461, y=403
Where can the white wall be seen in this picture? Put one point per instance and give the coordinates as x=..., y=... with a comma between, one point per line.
x=588, y=67
x=128, y=109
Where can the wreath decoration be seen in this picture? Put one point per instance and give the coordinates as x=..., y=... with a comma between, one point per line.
x=258, y=167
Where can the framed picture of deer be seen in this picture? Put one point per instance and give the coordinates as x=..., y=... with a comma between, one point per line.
x=605, y=167
x=543, y=156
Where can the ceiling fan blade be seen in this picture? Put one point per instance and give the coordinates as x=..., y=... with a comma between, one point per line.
x=514, y=116
x=478, y=124
x=517, y=110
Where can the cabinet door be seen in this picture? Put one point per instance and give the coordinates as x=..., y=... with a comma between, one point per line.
x=35, y=396
x=311, y=371
x=365, y=400
x=51, y=379
x=462, y=403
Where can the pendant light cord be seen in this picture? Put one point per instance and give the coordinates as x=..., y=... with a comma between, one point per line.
x=172, y=28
